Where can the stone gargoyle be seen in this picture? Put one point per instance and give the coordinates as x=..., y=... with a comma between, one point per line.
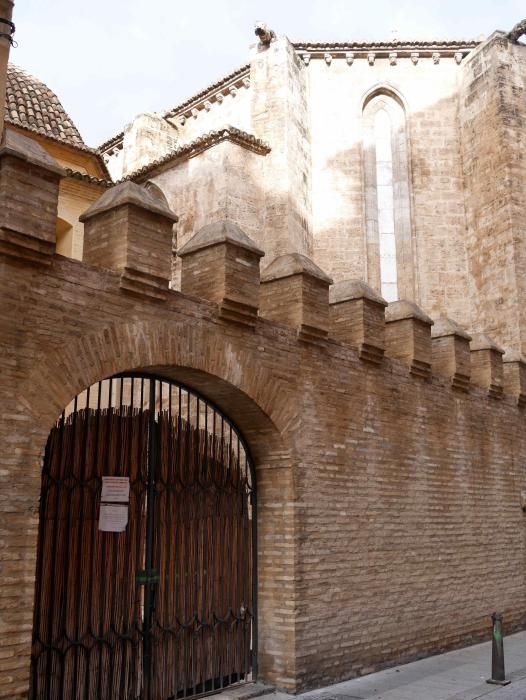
x=264, y=33
x=518, y=30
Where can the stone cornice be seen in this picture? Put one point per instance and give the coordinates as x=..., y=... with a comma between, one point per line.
x=234, y=79
x=383, y=48
x=184, y=152
x=194, y=148
x=109, y=143
x=237, y=79
x=393, y=51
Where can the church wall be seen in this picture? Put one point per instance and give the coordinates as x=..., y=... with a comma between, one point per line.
x=228, y=106
x=395, y=527
x=280, y=116
x=428, y=91
x=114, y=161
x=493, y=119
x=233, y=110
x=145, y=139
x=222, y=182
x=464, y=115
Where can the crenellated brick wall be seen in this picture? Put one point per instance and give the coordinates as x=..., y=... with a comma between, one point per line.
x=390, y=521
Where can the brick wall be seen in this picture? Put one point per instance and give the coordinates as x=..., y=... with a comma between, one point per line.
x=412, y=531
x=390, y=522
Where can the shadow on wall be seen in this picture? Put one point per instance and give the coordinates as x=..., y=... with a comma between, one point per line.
x=64, y=244
x=457, y=272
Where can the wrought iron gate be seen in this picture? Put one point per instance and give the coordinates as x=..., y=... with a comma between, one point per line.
x=165, y=608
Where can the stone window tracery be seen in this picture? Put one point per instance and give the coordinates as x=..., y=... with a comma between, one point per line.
x=387, y=199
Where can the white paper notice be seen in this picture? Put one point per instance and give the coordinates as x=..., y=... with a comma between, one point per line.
x=113, y=518
x=115, y=489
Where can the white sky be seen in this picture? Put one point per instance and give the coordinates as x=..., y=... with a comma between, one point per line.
x=109, y=60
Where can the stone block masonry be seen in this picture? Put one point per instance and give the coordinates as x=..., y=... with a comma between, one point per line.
x=492, y=113
x=448, y=205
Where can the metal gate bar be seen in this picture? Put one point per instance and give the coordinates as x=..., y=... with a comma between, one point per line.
x=166, y=609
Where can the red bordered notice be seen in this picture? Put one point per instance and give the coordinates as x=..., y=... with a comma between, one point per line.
x=115, y=489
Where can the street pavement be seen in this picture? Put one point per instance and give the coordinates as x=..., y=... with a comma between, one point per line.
x=457, y=675
x=514, y=691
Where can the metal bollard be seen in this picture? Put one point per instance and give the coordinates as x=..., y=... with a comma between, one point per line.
x=498, y=675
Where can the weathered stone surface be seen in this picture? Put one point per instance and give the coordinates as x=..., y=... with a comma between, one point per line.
x=220, y=232
x=492, y=113
x=349, y=290
x=227, y=177
x=131, y=194
x=146, y=138
x=294, y=264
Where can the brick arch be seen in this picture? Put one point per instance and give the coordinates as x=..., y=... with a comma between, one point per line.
x=228, y=374
x=202, y=358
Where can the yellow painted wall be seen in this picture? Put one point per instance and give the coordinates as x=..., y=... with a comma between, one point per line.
x=75, y=196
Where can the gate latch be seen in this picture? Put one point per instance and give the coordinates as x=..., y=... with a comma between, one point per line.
x=143, y=577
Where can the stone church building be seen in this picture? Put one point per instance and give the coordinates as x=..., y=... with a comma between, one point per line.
x=263, y=385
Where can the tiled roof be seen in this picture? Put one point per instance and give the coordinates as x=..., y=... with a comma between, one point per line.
x=30, y=104
x=75, y=174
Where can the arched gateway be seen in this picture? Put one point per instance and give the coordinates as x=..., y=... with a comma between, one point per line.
x=145, y=581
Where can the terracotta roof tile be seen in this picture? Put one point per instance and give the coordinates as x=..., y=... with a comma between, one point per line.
x=31, y=104
x=75, y=174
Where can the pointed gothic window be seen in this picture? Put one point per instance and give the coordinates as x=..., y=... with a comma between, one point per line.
x=387, y=207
